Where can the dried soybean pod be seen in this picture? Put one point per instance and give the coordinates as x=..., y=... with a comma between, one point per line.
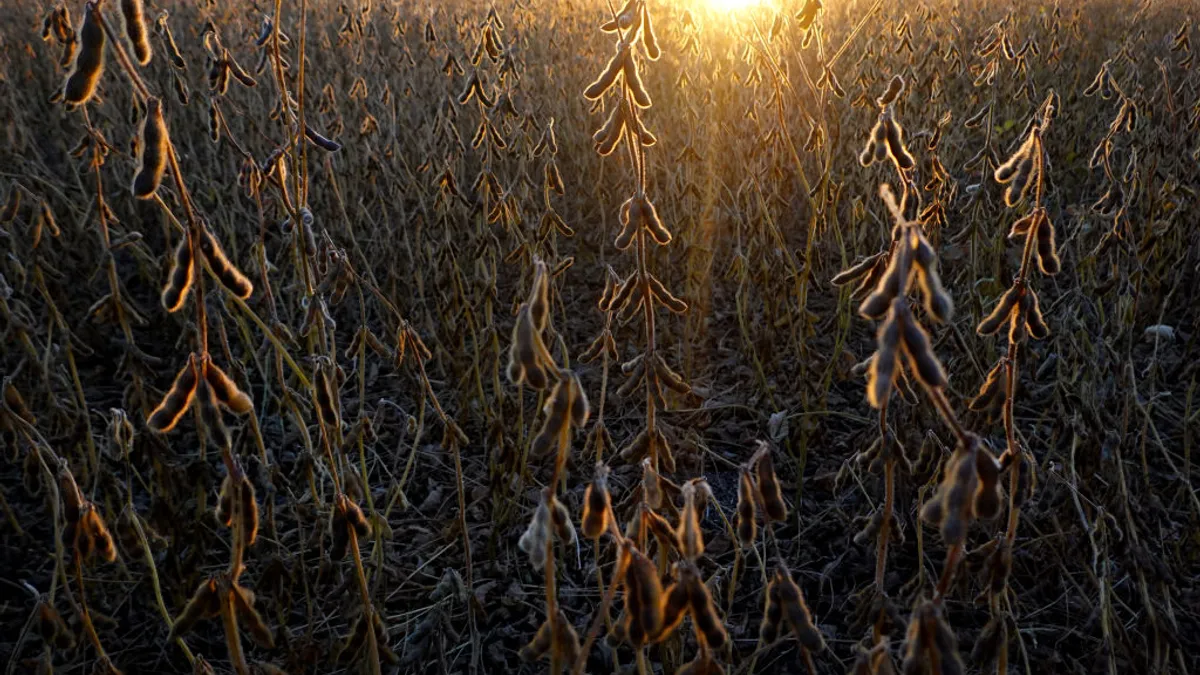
x=992, y=323
x=920, y=353
x=134, y=14
x=225, y=391
x=1035, y=323
x=883, y=364
x=991, y=391
x=746, y=525
x=649, y=39
x=179, y=281
x=987, y=495
x=675, y=606
x=597, y=504
x=768, y=486
x=243, y=604
x=152, y=158
x=895, y=88
x=177, y=399
x=89, y=61
x=205, y=603
x=704, y=613
x=229, y=276
x=608, y=76
x=1047, y=251
x=540, y=644
x=796, y=613
x=321, y=141
x=164, y=31
x=768, y=631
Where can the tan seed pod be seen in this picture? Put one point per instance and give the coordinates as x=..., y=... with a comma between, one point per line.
x=919, y=353
x=667, y=536
x=153, y=147
x=597, y=504
x=876, y=305
x=643, y=598
x=895, y=146
x=179, y=281
x=229, y=275
x=895, y=88
x=747, y=528
x=987, y=494
x=768, y=631
x=704, y=614
x=93, y=529
x=652, y=493
x=991, y=392
x=243, y=604
x=1047, y=251
x=608, y=76
x=882, y=371
x=856, y=271
x=177, y=399
x=675, y=606
x=540, y=645
x=205, y=603
x=52, y=628
x=649, y=39
x=770, y=493
x=1035, y=323
x=134, y=14
x=560, y=517
x=89, y=61
x=225, y=391
x=690, y=535
x=668, y=300
x=633, y=80
x=1001, y=313
x=796, y=612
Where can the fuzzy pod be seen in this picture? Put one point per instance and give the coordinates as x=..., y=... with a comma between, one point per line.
x=89, y=60
x=704, y=614
x=179, y=280
x=153, y=147
x=991, y=392
x=597, y=505
x=768, y=630
x=1047, y=250
x=895, y=146
x=747, y=528
x=539, y=296
x=225, y=391
x=770, y=493
x=796, y=613
x=541, y=643
x=856, y=271
x=922, y=360
x=992, y=323
x=675, y=607
x=225, y=271
x=560, y=519
x=643, y=598
x=1035, y=323
x=134, y=14
x=882, y=372
x=987, y=494
x=894, y=89
x=177, y=399
x=876, y=305
x=251, y=620
x=205, y=603
x=673, y=304
x=608, y=76
x=691, y=537
x=633, y=80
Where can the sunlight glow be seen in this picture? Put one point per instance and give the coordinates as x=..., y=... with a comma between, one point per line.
x=733, y=5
